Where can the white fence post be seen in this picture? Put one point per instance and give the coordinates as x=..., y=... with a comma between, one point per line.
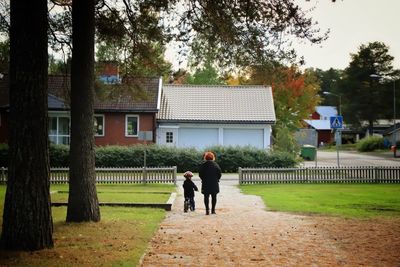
x=114, y=175
x=144, y=175
x=175, y=174
x=354, y=174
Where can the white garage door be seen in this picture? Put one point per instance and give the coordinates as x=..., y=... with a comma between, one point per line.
x=243, y=137
x=198, y=138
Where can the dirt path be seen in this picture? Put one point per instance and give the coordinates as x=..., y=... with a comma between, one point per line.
x=243, y=233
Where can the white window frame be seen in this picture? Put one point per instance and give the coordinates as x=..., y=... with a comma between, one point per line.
x=104, y=125
x=126, y=125
x=171, y=137
x=57, y=135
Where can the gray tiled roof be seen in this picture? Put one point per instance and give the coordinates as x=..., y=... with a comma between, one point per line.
x=241, y=104
x=55, y=103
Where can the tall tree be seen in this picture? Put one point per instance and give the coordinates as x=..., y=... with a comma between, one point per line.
x=27, y=221
x=330, y=80
x=295, y=98
x=369, y=99
x=83, y=203
x=206, y=74
x=235, y=32
x=59, y=67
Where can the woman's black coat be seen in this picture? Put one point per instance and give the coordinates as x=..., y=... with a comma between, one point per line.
x=209, y=173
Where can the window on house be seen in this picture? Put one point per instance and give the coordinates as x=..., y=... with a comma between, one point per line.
x=99, y=125
x=131, y=125
x=59, y=130
x=169, y=136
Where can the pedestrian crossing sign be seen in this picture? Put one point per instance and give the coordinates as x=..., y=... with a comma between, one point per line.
x=336, y=122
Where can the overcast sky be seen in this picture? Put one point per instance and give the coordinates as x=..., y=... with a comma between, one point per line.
x=352, y=23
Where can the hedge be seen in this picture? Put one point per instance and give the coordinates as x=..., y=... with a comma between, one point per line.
x=229, y=158
x=370, y=143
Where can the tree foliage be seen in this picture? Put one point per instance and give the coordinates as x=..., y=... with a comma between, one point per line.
x=370, y=99
x=295, y=97
x=4, y=56
x=234, y=32
x=247, y=32
x=128, y=32
x=59, y=67
x=295, y=92
x=330, y=80
x=206, y=75
x=4, y=17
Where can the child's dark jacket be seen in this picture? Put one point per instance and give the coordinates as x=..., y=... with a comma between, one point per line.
x=188, y=188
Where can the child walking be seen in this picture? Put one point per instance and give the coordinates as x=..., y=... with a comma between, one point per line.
x=188, y=191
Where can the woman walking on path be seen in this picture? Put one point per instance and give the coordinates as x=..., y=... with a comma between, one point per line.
x=210, y=173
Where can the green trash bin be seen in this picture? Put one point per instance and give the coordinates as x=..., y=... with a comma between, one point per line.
x=308, y=152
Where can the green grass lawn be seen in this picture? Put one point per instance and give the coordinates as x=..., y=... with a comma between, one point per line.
x=119, y=239
x=134, y=193
x=348, y=200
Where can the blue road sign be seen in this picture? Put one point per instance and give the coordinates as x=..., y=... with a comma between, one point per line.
x=336, y=122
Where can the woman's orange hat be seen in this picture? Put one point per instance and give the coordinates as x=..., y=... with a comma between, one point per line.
x=209, y=156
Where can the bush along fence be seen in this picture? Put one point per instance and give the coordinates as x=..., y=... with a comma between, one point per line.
x=228, y=158
x=113, y=175
x=360, y=174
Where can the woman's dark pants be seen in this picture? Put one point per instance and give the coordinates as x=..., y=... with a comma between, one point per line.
x=213, y=201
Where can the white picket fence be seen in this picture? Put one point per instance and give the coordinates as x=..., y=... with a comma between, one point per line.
x=345, y=174
x=113, y=175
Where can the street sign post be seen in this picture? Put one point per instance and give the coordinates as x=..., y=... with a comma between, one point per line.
x=337, y=124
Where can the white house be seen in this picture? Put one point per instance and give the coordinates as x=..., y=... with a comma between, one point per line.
x=200, y=116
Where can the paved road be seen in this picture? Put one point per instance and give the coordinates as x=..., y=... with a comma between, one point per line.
x=346, y=158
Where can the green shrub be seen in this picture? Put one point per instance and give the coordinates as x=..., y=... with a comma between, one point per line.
x=285, y=140
x=370, y=143
x=119, y=156
x=59, y=155
x=229, y=158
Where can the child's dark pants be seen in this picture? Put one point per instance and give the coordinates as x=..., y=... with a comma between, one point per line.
x=191, y=203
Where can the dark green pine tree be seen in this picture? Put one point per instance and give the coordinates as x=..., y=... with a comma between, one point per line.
x=83, y=204
x=366, y=99
x=27, y=220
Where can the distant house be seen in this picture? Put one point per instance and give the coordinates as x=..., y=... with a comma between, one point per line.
x=324, y=113
x=320, y=121
x=121, y=117
x=392, y=133
x=201, y=116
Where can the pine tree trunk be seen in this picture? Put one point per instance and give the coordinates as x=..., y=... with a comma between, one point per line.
x=27, y=221
x=83, y=204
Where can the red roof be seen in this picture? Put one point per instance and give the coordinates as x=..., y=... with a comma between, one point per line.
x=133, y=94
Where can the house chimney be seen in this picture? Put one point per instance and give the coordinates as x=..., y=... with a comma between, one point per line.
x=109, y=72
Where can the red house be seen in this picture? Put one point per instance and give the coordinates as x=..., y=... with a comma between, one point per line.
x=125, y=112
x=320, y=121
